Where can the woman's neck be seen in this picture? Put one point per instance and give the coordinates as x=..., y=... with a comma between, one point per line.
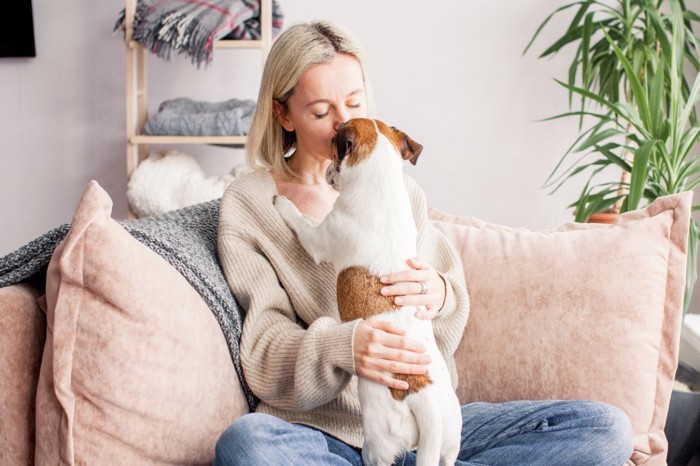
x=309, y=170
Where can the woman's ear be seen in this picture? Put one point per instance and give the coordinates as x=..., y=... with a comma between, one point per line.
x=280, y=112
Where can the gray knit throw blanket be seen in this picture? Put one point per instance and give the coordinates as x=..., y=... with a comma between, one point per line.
x=191, y=27
x=186, y=238
x=184, y=116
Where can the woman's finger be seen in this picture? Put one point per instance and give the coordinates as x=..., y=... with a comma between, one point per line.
x=405, y=288
x=397, y=367
x=384, y=326
x=385, y=379
x=409, y=275
x=417, y=263
x=378, y=352
x=373, y=337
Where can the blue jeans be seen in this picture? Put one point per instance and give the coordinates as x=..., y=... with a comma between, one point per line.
x=567, y=433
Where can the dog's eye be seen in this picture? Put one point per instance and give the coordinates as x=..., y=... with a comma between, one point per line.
x=394, y=128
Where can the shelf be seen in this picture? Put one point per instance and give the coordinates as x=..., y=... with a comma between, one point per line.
x=239, y=44
x=137, y=143
x=221, y=44
x=143, y=139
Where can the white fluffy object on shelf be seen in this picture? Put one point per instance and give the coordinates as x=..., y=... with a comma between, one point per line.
x=172, y=180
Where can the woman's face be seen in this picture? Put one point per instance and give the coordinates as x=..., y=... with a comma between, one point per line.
x=326, y=95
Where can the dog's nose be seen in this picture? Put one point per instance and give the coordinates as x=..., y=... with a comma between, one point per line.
x=340, y=125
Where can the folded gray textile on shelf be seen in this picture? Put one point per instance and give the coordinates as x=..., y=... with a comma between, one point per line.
x=186, y=117
x=186, y=238
x=191, y=27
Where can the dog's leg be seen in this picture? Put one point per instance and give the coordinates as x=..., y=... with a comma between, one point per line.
x=376, y=454
x=451, y=427
x=449, y=457
x=306, y=232
x=382, y=425
x=426, y=409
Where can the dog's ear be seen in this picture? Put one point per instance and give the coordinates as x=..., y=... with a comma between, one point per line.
x=345, y=141
x=410, y=149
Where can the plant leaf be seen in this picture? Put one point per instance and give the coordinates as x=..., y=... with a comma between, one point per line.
x=593, y=96
x=691, y=274
x=542, y=25
x=657, y=97
x=640, y=168
x=597, y=137
x=638, y=93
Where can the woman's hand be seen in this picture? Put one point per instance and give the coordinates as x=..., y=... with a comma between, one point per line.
x=382, y=349
x=419, y=285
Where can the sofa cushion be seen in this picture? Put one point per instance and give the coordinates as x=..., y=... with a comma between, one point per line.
x=22, y=335
x=136, y=369
x=581, y=312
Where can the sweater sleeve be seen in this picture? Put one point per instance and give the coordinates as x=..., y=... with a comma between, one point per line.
x=286, y=363
x=434, y=248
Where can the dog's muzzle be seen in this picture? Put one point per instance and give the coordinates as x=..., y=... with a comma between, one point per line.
x=333, y=170
x=333, y=176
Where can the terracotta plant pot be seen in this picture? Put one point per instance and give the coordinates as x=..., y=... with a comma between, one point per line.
x=603, y=217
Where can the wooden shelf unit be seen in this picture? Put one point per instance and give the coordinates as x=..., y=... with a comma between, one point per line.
x=137, y=96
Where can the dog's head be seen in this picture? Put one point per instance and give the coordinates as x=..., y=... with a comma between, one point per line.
x=357, y=139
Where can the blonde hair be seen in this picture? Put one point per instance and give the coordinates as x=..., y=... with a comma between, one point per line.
x=295, y=50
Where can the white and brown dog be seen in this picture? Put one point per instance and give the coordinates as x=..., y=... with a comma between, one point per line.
x=371, y=232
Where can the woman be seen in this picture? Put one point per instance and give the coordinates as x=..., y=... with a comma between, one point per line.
x=297, y=356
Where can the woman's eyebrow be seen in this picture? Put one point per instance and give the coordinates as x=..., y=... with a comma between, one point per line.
x=328, y=101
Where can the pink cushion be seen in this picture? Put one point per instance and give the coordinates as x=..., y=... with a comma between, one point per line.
x=581, y=312
x=22, y=335
x=136, y=369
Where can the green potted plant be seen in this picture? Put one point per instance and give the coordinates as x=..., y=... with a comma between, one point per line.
x=630, y=67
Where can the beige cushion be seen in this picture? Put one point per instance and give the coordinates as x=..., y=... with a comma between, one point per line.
x=582, y=312
x=22, y=335
x=136, y=369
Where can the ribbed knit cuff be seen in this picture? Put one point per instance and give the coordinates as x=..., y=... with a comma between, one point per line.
x=450, y=299
x=337, y=345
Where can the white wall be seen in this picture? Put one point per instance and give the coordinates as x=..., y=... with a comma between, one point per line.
x=453, y=78
x=451, y=75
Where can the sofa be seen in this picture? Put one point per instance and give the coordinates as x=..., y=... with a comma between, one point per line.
x=110, y=355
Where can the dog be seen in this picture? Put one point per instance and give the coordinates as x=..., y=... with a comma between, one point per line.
x=371, y=232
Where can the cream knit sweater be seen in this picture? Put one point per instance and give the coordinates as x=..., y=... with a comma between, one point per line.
x=296, y=354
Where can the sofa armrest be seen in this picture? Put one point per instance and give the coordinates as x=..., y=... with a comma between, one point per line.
x=22, y=336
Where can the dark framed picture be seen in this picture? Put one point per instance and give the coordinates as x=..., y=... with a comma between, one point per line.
x=17, y=31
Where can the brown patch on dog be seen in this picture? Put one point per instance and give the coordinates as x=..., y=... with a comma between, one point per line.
x=407, y=147
x=415, y=384
x=355, y=141
x=359, y=295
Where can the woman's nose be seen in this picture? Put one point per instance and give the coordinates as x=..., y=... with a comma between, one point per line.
x=341, y=117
